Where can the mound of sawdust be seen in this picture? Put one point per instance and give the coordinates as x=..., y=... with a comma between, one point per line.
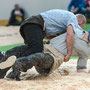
x=64, y=78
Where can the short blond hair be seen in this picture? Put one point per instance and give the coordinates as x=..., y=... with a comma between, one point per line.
x=81, y=17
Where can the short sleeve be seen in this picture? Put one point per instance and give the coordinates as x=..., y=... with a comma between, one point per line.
x=73, y=21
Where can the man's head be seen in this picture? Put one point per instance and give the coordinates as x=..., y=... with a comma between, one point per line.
x=81, y=20
x=17, y=7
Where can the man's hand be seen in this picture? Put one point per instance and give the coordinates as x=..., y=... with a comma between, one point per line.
x=67, y=58
x=86, y=36
x=74, y=10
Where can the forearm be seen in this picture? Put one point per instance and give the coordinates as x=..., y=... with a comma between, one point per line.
x=70, y=39
x=69, y=42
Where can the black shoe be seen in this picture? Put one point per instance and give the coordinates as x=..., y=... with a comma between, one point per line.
x=5, y=66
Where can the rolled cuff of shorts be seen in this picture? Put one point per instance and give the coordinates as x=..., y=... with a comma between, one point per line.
x=78, y=67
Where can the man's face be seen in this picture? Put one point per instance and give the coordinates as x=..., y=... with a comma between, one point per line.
x=17, y=7
x=82, y=25
x=81, y=22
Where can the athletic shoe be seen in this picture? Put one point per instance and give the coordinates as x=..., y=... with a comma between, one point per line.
x=8, y=63
x=5, y=66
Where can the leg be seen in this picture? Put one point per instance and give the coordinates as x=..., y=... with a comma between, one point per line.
x=17, y=51
x=33, y=36
x=83, y=50
x=8, y=60
x=11, y=20
x=81, y=64
x=42, y=62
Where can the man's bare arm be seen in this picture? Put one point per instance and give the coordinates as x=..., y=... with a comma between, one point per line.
x=69, y=42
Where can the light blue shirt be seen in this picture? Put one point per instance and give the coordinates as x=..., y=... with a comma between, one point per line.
x=79, y=32
x=56, y=21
